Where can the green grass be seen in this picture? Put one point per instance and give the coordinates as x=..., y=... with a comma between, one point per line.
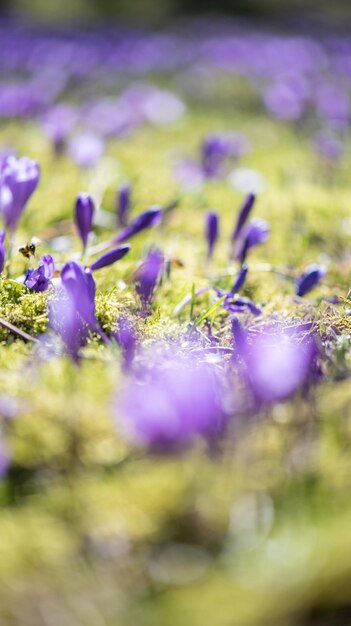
x=89, y=527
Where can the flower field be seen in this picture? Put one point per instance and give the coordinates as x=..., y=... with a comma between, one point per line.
x=175, y=327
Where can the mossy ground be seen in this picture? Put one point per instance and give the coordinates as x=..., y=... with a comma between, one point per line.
x=88, y=527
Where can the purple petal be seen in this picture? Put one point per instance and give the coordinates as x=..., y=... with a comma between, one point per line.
x=244, y=213
x=110, y=257
x=212, y=227
x=148, y=219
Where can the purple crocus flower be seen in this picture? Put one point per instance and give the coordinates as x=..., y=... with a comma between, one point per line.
x=110, y=257
x=243, y=215
x=39, y=279
x=2, y=251
x=18, y=180
x=123, y=204
x=176, y=401
x=240, y=279
x=148, y=219
x=84, y=212
x=310, y=278
x=278, y=364
x=212, y=224
x=67, y=324
x=215, y=149
x=126, y=338
x=253, y=234
x=147, y=276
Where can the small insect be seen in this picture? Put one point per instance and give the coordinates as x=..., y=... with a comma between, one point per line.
x=28, y=250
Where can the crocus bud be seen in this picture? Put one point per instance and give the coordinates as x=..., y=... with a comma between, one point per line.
x=110, y=257
x=243, y=215
x=149, y=218
x=211, y=224
x=147, y=275
x=84, y=211
x=123, y=204
x=240, y=279
x=310, y=278
x=18, y=180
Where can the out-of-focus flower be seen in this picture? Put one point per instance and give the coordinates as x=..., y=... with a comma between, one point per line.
x=278, y=364
x=123, y=204
x=176, y=401
x=243, y=215
x=72, y=312
x=151, y=217
x=310, y=278
x=212, y=227
x=253, y=234
x=214, y=151
x=39, y=279
x=126, y=338
x=161, y=107
x=58, y=123
x=18, y=180
x=284, y=102
x=2, y=251
x=84, y=212
x=86, y=149
x=110, y=257
x=147, y=276
x=190, y=175
x=330, y=146
x=240, y=279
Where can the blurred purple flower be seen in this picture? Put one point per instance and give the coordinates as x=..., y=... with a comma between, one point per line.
x=39, y=279
x=151, y=217
x=310, y=278
x=212, y=227
x=176, y=401
x=214, y=150
x=253, y=234
x=2, y=250
x=123, y=204
x=329, y=146
x=110, y=257
x=240, y=279
x=284, y=102
x=18, y=180
x=84, y=212
x=57, y=123
x=126, y=338
x=86, y=149
x=243, y=215
x=278, y=364
x=146, y=277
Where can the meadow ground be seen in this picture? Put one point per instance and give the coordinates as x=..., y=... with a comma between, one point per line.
x=256, y=530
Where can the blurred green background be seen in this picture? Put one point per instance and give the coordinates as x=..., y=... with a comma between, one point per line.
x=157, y=12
